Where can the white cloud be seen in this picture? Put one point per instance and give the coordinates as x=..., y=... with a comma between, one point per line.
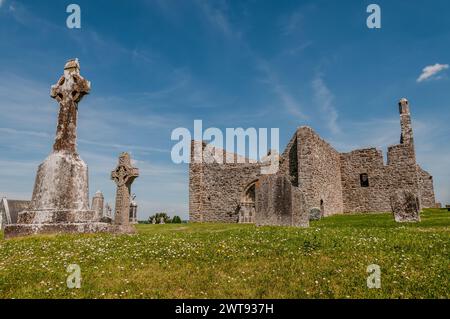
x=1, y=3
x=431, y=70
x=324, y=98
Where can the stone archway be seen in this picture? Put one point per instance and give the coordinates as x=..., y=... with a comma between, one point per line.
x=247, y=207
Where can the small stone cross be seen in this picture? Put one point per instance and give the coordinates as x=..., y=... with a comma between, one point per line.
x=123, y=176
x=69, y=90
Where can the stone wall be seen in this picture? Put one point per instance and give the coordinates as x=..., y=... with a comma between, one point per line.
x=356, y=198
x=399, y=173
x=358, y=181
x=401, y=167
x=427, y=198
x=289, y=160
x=195, y=188
x=215, y=189
x=279, y=203
x=319, y=174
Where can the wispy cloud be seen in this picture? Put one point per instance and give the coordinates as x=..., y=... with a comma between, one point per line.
x=1, y=3
x=124, y=146
x=298, y=48
x=7, y=130
x=377, y=132
x=288, y=101
x=324, y=99
x=292, y=23
x=25, y=101
x=430, y=71
x=217, y=18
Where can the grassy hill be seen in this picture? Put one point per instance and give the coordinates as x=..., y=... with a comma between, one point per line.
x=327, y=260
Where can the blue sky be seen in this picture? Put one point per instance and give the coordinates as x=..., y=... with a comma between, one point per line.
x=158, y=65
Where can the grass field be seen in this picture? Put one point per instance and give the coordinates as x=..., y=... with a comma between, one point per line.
x=327, y=260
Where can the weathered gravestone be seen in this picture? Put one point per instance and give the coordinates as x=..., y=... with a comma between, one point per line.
x=154, y=221
x=161, y=220
x=405, y=206
x=315, y=213
x=123, y=176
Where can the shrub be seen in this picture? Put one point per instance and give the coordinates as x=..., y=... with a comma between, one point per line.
x=176, y=220
x=158, y=216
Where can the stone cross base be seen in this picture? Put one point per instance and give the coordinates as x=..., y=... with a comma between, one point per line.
x=57, y=216
x=61, y=183
x=19, y=230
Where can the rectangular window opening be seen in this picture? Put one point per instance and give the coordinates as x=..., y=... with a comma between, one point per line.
x=364, y=180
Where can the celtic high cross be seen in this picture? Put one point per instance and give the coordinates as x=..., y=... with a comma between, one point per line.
x=69, y=91
x=123, y=176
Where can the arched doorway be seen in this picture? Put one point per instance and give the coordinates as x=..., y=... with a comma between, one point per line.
x=247, y=208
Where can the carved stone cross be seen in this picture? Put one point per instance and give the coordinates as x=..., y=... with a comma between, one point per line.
x=123, y=176
x=69, y=90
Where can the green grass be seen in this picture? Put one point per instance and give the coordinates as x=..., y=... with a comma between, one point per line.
x=327, y=260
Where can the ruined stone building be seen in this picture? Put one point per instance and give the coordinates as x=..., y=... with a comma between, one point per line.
x=312, y=175
x=10, y=209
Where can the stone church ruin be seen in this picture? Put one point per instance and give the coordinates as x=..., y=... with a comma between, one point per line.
x=313, y=180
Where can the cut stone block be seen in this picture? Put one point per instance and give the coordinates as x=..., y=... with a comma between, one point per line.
x=279, y=203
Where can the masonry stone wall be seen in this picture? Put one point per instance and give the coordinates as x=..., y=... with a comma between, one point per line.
x=356, y=198
x=280, y=203
x=400, y=172
x=288, y=164
x=195, y=192
x=319, y=174
x=427, y=198
x=215, y=189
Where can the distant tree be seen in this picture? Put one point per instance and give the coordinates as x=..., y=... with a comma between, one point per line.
x=158, y=216
x=176, y=220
